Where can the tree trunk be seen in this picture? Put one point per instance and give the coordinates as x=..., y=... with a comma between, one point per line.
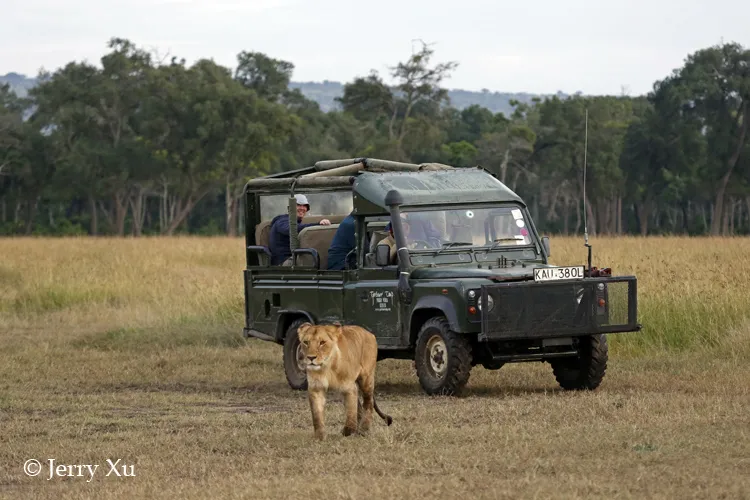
x=578, y=216
x=229, y=203
x=685, y=212
x=241, y=216
x=566, y=215
x=94, y=229
x=719, y=206
x=4, y=212
x=619, y=215
x=642, y=211
x=590, y=221
x=31, y=209
x=121, y=211
x=137, y=205
x=181, y=209
x=725, y=218
x=504, y=165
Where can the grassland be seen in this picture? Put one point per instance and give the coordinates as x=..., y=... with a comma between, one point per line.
x=131, y=350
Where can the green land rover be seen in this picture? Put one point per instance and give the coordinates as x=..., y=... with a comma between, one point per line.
x=470, y=283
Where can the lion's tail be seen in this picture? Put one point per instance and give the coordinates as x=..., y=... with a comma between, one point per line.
x=387, y=418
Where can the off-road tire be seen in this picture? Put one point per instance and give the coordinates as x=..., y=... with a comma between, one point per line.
x=456, y=357
x=586, y=371
x=296, y=378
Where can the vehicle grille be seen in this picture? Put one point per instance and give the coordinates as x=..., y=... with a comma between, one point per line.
x=524, y=310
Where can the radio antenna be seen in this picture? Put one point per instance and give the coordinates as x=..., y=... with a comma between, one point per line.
x=585, y=218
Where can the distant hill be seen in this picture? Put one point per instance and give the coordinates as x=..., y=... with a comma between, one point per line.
x=325, y=92
x=18, y=83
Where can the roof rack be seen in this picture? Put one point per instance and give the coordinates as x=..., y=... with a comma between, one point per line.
x=338, y=173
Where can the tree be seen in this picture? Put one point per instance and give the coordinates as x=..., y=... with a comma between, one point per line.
x=397, y=110
x=267, y=76
x=714, y=90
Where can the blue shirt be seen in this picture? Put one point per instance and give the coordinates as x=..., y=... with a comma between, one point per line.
x=343, y=242
x=278, y=240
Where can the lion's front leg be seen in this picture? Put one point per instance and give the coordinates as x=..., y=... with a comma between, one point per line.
x=317, y=400
x=351, y=399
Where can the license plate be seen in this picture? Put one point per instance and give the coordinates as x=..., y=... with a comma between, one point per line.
x=558, y=273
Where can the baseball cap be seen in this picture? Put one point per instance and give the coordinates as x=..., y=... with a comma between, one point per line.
x=302, y=200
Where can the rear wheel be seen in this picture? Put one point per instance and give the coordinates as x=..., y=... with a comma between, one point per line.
x=294, y=366
x=442, y=358
x=585, y=371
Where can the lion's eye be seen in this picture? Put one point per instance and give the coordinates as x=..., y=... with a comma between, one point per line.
x=322, y=342
x=305, y=342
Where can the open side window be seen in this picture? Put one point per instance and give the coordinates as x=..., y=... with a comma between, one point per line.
x=374, y=232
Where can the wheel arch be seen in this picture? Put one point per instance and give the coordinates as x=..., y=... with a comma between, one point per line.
x=428, y=307
x=286, y=318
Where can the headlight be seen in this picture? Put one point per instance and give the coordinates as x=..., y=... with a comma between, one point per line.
x=472, y=294
x=490, y=304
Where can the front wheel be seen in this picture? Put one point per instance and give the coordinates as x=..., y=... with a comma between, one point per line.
x=442, y=358
x=294, y=366
x=585, y=371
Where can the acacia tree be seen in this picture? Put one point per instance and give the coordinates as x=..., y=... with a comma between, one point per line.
x=714, y=86
x=396, y=110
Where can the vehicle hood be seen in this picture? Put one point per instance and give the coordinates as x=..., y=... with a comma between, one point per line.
x=515, y=273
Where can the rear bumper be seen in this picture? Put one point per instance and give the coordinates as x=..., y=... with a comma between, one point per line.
x=530, y=310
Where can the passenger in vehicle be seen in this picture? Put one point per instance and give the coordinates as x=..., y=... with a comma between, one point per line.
x=390, y=240
x=278, y=241
x=422, y=228
x=343, y=243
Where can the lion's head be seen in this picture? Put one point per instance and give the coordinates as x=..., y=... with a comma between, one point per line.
x=318, y=343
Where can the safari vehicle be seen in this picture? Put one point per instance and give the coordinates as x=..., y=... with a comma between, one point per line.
x=479, y=290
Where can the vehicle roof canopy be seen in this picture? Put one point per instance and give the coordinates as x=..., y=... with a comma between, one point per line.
x=372, y=179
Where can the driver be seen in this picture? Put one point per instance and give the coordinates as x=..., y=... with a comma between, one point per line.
x=390, y=240
x=422, y=228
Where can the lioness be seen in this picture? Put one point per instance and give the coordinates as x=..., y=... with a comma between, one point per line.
x=341, y=358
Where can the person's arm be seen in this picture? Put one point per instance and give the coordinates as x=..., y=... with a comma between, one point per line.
x=300, y=227
x=282, y=225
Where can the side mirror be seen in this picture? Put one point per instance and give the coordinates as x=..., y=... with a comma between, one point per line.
x=382, y=255
x=545, y=244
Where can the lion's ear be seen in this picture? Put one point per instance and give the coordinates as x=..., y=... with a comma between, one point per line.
x=301, y=329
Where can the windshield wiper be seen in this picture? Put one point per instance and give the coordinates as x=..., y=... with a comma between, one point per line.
x=498, y=240
x=448, y=245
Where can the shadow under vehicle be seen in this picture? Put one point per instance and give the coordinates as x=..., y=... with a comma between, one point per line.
x=472, y=283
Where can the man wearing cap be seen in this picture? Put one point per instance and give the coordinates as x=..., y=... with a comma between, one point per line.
x=278, y=242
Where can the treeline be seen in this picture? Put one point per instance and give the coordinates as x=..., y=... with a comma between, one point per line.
x=141, y=146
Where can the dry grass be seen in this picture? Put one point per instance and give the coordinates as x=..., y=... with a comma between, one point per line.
x=132, y=349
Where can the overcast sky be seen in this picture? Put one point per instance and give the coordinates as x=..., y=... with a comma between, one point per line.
x=595, y=47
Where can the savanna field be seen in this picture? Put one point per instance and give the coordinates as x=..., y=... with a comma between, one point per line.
x=132, y=350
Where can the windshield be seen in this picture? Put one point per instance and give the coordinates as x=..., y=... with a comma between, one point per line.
x=496, y=226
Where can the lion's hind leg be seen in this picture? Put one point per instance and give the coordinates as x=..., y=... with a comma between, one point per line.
x=367, y=387
x=351, y=400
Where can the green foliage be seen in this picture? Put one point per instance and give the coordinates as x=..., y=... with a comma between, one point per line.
x=138, y=146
